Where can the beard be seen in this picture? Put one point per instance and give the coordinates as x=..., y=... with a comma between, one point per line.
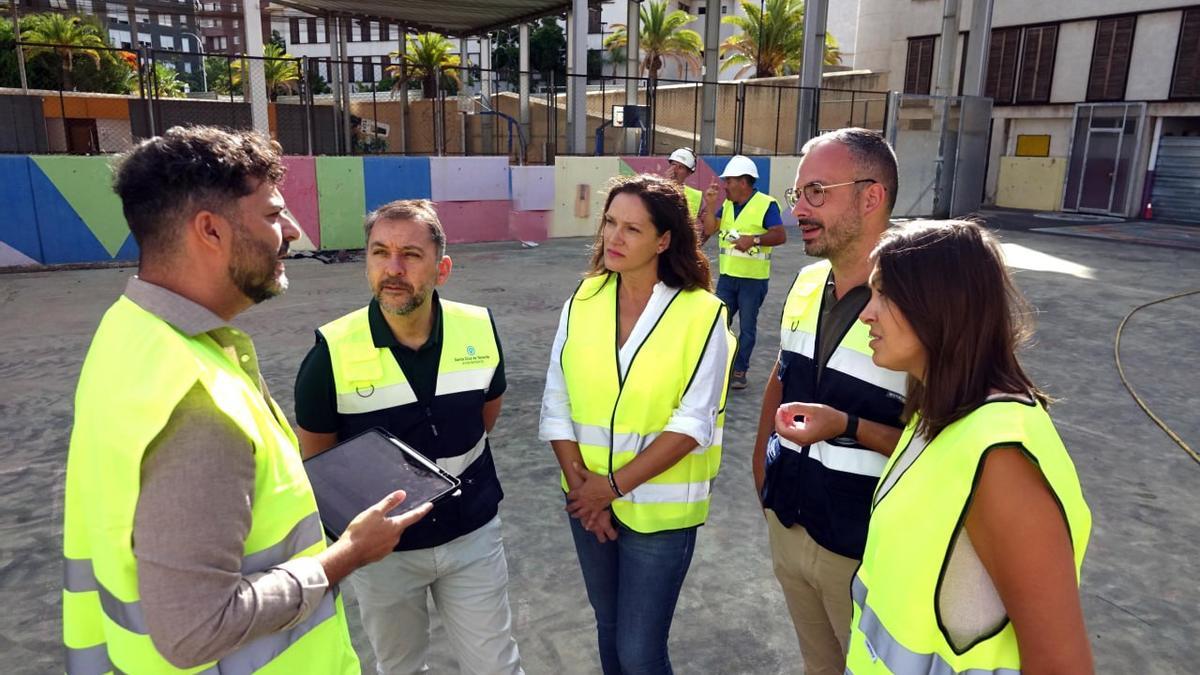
x=252, y=270
x=836, y=236
x=416, y=297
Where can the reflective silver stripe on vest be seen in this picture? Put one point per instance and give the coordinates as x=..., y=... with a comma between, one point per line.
x=370, y=398
x=848, y=460
x=262, y=651
x=590, y=434
x=669, y=493
x=898, y=658
x=861, y=367
x=78, y=577
x=306, y=533
x=89, y=661
x=459, y=463
x=476, y=379
x=798, y=342
x=729, y=250
x=248, y=659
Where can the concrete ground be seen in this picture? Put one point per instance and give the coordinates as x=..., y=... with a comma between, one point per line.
x=1140, y=590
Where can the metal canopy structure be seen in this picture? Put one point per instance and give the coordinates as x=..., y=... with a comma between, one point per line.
x=458, y=18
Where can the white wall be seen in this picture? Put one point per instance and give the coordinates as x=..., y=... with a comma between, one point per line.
x=1154, y=40
x=1073, y=61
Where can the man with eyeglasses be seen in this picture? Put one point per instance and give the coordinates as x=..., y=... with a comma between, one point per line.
x=841, y=413
x=750, y=225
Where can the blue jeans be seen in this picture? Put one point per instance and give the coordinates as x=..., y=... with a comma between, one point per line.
x=633, y=584
x=743, y=297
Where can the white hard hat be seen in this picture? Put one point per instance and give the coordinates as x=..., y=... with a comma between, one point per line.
x=684, y=156
x=740, y=165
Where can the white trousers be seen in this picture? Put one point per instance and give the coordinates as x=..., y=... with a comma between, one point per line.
x=468, y=578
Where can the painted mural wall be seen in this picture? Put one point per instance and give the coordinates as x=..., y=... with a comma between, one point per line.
x=61, y=209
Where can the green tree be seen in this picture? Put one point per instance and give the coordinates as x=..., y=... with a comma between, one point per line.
x=662, y=35
x=427, y=57
x=771, y=42
x=281, y=70
x=547, y=51
x=66, y=37
x=166, y=83
x=277, y=40
x=219, y=71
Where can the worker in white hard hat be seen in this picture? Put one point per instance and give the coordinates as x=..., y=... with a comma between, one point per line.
x=750, y=224
x=680, y=166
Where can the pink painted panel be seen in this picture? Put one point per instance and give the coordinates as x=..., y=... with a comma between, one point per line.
x=529, y=225
x=467, y=222
x=299, y=190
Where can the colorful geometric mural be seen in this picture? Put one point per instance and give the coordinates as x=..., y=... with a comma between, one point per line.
x=61, y=209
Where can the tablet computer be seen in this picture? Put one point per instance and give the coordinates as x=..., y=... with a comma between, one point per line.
x=358, y=472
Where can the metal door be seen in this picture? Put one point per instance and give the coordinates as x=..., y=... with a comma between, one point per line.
x=1104, y=144
x=1176, y=192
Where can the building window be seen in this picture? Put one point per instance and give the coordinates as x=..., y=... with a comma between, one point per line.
x=594, y=24
x=385, y=31
x=1001, y=81
x=364, y=30
x=1037, y=64
x=294, y=30
x=918, y=68
x=1110, y=59
x=1185, y=82
x=311, y=27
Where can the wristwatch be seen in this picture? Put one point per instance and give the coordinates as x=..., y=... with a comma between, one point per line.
x=850, y=435
x=757, y=240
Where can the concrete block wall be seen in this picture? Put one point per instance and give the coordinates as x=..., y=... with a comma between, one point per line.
x=61, y=209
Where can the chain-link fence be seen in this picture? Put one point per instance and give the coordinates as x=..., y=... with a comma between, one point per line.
x=102, y=100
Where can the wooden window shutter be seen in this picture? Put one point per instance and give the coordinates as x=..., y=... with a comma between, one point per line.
x=294, y=26
x=918, y=68
x=1002, y=65
x=1037, y=64
x=1186, y=81
x=1110, y=59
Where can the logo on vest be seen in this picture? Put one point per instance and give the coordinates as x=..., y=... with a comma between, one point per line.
x=472, y=357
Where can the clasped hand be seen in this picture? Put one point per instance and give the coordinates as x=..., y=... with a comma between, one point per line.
x=588, y=500
x=807, y=423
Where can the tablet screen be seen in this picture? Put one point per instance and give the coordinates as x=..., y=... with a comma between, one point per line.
x=355, y=474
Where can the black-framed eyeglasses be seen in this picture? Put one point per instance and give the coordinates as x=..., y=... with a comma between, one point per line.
x=814, y=193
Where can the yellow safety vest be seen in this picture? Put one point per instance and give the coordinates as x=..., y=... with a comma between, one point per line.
x=137, y=370
x=749, y=221
x=896, y=626
x=616, y=418
x=694, y=199
x=367, y=378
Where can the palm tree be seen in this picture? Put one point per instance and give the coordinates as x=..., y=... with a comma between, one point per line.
x=616, y=54
x=166, y=82
x=64, y=36
x=771, y=42
x=661, y=35
x=280, y=69
x=428, y=56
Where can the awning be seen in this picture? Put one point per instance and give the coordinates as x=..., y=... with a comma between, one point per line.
x=450, y=17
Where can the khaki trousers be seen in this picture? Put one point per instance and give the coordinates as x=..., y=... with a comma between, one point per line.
x=816, y=585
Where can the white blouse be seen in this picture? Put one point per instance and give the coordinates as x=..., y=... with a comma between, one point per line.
x=696, y=415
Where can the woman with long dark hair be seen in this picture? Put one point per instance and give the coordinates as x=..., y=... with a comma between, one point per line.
x=633, y=408
x=978, y=526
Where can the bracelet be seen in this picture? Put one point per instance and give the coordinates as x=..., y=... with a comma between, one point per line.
x=851, y=432
x=612, y=482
